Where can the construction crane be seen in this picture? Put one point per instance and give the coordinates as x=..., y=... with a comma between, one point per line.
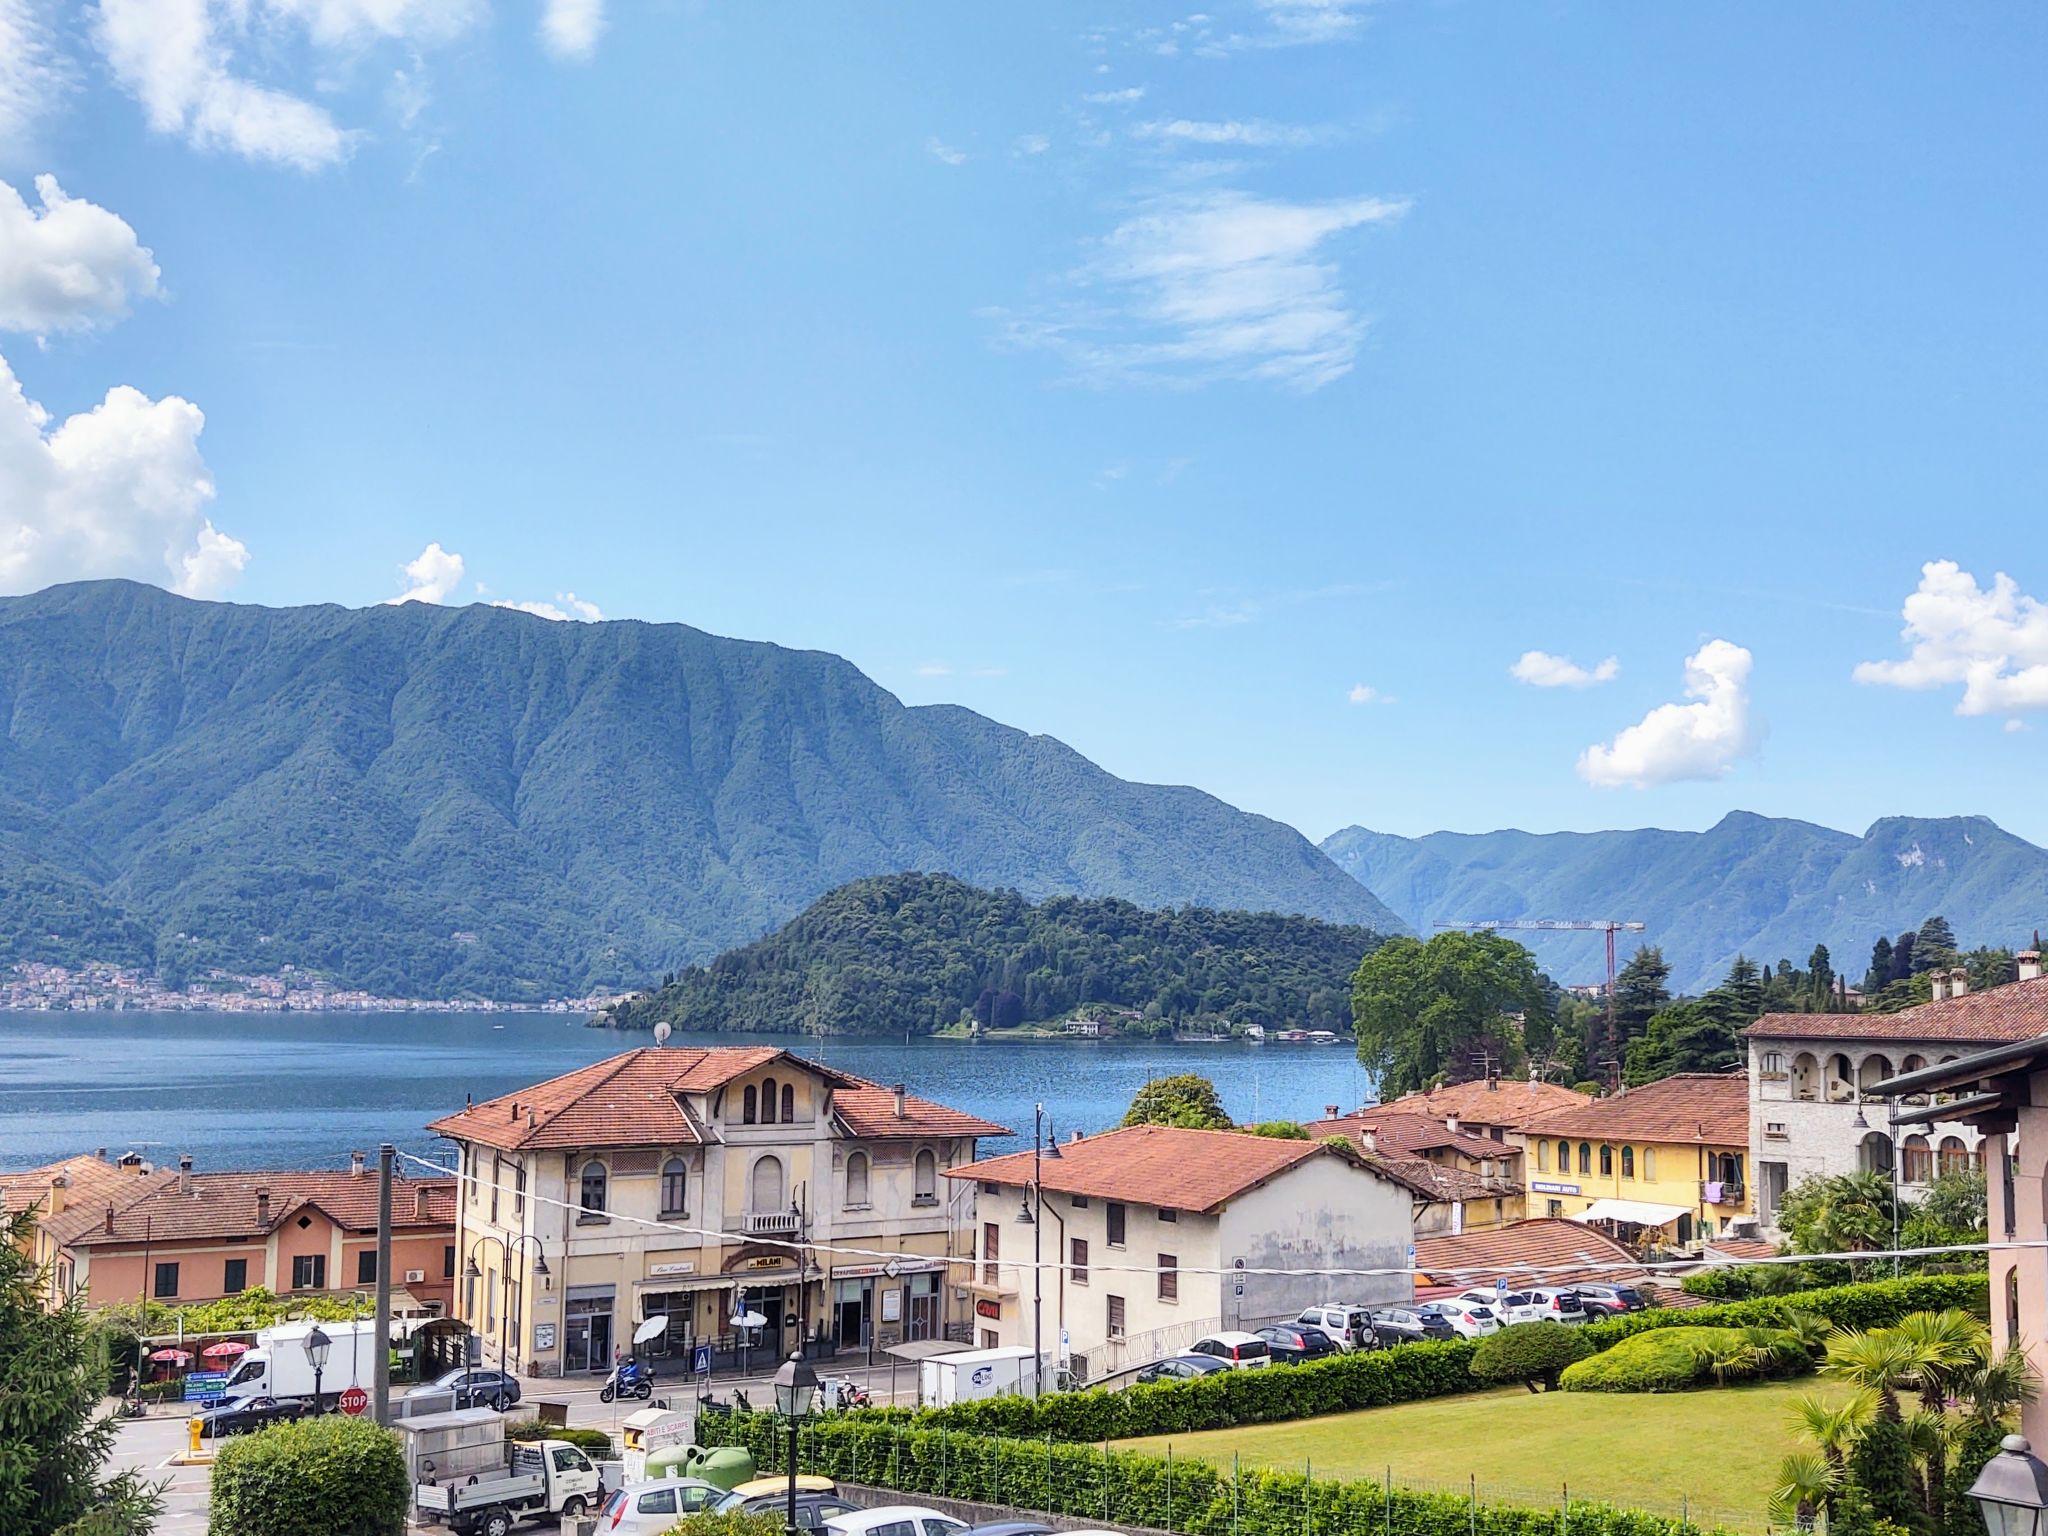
x=1609, y=926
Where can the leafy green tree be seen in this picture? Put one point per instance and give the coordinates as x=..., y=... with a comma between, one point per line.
x=1440, y=1010
x=1534, y=1354
x=1820, y=972
x=53, y=1441
x=1989, y=968
x=1881, y=1467
x=1934, y=945
x=1880, y=970
x=1280, y=1130
x=1639, y=992
x=1840, y=1213
x=1186, y=1099
x=327, y=1476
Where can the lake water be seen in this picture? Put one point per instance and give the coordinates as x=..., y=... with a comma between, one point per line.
x=302, y=1090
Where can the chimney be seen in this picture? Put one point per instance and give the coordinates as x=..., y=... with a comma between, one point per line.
x=419, y=1207
x=515, y=1109
x=1958, y=982
x=58, y=1185
x=355, y=1164
x=1330, y=1112
x=110, y=1215
x=1451, y=1124
x=1940, y=984
x=263, y=1208
x=2030, y=964
x=185, y=1174
x=100, y=1153
x=901, y=1095
x=1493, y=1080
x=1369, y=1139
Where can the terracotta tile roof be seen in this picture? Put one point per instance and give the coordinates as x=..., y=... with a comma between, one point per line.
x=1433, y=1181
x=1691, y=1108
x=1160, y=1165
x=1406, y=1133
x=1740, y=1248
x=1994, y=1016
x=1545, y=1250
x=634, y=1099
x=1506, y=1101
x=92, y=1179
x=225, y=1205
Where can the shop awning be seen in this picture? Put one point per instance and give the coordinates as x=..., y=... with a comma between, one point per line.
x=687, y=1283
x=1641, y=1213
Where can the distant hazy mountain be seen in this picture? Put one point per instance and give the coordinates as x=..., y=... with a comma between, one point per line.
x=1754, y=885
x=914, y=952
x=437, y=801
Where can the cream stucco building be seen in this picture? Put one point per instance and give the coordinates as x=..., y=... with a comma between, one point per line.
x=701, y=1185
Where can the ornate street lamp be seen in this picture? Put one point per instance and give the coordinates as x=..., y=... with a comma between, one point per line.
x=317, y=1344
x=796, y=1384
x=2012, y=1490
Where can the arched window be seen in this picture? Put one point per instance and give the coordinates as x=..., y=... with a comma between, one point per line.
x=1875, y=1153
x=1585, y=1157
x=1954, y=1155
x=1806, y=1077
x=1606, y=1161
x=1628, y=1162
x=1913, y=1063
x=768, y=1102
x=788, y=1103
x=1649, y=1162
x=857, y=1181
x=925, y=1182
x=675, y=1187
x=1543, y=1157
x=1564, y=1157
x=1874, y=1070
x=767, y=1186
x=748, y=1114
x=1841, y=1083
x=1916, y=1160
x=591, y=1192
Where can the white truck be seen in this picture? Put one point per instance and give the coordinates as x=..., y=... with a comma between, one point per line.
x=279, y=1366
x=975, y=1373
x=546, y=1477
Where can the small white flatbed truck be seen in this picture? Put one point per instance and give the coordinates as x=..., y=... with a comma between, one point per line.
x=546, y=1477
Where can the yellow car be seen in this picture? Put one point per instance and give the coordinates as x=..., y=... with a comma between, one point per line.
x=806, y=1482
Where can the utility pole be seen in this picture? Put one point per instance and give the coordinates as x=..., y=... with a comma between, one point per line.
x=380, y=1335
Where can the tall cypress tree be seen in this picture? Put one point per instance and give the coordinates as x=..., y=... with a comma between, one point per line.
x=1880, y=970
x=1934, y=944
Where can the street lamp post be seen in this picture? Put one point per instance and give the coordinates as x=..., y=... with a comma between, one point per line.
x=2012, y=1490
x=317, y=1344
x=796, y=1384
x=1032, y=1215
x=505, y=1252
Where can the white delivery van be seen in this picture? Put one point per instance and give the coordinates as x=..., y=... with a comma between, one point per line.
x=973, y=1374
x=279, y=1366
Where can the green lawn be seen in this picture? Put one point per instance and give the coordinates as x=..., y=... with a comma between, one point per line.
x=1714, y=1449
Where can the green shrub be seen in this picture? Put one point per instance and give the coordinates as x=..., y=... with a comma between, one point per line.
x=732, y=1522
x=1529, y=1353
x=329, y=1476
x=594, y=1443
x=1662, y=1360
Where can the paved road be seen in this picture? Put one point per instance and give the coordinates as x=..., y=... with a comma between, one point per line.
x=149, y=1444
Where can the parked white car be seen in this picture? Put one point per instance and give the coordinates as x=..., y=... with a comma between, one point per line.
x=1559, y=1304
x=1241, y=1351
x=1470, y=1319
x=892, y=1520
x=649, y=1508
x=1349, y=1326
x=1543, y=1304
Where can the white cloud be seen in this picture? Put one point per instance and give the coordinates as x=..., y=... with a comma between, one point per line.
x=1251, y=132
x=1365, y=693
x=1032, y=143
x=1122, y=98
x=166, y=53
x=68, y=266
x=32, y=75
x=1992, y=641
x=120, y=490
x=570, y=28
x=1313, y=21
x=1217, y=616
x=1214, y=285
x=567, y=606
x=2013, y=727
x=1540, y=669
x=934, y=669
x=943, y=152
x=1700, y=740
x=430, y=576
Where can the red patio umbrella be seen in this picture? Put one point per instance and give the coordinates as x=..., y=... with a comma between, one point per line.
x=171, y=1357
x=226, y=1349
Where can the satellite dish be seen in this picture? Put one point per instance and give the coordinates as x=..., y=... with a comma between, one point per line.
x=653, y=1328
x=662, y=1032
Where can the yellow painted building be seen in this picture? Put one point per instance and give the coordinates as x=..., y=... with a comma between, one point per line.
x=1657, y=1165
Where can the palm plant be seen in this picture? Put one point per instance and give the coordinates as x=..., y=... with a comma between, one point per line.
x=1833, y=1427
x=1726, y=1357
x=1774, y=1351
x=1879, y=1361
x=1806, y=1484
x=1949, y=1343
x=1996, y=1387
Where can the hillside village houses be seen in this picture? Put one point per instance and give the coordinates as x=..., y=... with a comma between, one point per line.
x=1461, y=1181
x=121, y=1230
x=697, y=1185
x=1816, y=1080
x=1160, y=1232
x=1494, y=1107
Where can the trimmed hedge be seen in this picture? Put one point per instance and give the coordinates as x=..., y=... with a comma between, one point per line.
x=1129, y=1488
x=1665, y=1360
x=328, y=1476
x=1530, y=1353
x=1404, y=1373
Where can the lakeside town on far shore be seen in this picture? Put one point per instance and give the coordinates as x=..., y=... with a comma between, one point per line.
x=97, y=986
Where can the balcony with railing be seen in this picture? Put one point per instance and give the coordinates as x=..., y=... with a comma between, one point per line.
x=1730, y=1191
x=772, y=1223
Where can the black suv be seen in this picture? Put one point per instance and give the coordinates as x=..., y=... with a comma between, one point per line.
x=479, y=1387
x=1610, y=1300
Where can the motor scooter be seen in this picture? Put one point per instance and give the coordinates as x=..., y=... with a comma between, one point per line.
x=629, y=1378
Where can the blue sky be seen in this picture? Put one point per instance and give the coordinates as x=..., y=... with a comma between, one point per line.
x=1159, y=380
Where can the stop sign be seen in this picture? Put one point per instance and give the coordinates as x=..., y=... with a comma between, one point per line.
x=354, y=1400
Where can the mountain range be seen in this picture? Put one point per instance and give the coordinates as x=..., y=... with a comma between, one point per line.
x=440, y=802
x=1766, y=887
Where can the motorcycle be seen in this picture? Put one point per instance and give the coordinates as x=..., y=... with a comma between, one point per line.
x=629, y=1378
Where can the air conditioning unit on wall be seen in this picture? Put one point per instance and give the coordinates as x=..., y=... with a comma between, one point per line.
x=415, y=1276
